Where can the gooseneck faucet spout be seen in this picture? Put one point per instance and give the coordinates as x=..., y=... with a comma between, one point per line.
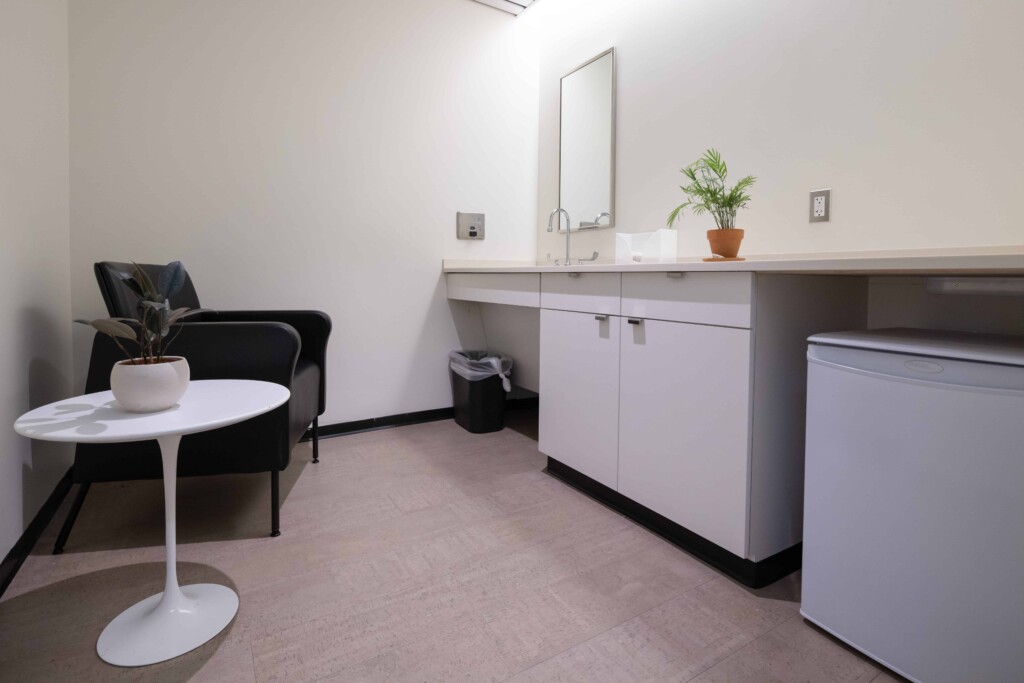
x=568, y=225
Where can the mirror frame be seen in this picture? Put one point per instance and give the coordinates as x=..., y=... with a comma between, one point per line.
x=611, y=189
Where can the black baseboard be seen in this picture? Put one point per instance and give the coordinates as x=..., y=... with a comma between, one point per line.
x=405, y=419
x=368, y=425
x=16, y=557
x=747, y=572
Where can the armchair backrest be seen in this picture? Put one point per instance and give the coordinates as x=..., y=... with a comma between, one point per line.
x=121, y=302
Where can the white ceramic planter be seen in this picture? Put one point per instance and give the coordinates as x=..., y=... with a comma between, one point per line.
x=149, y=388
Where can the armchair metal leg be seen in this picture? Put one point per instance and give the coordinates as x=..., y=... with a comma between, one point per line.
x=275, y=504
x=76, y=507
x=316, y=439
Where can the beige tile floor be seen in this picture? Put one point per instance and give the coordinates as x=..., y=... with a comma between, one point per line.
x=423, y=553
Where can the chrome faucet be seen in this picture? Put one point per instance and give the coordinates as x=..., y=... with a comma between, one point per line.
x=568, y=226
x=596, y=223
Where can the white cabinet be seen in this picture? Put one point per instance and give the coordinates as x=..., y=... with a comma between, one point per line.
x=684, y=415
x=579, y=392
x=696, y=411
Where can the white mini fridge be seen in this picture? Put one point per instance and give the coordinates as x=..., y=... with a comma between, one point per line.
x=914, y=500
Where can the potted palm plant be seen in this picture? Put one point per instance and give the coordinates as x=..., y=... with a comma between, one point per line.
x=148, y=380
x=707, y=193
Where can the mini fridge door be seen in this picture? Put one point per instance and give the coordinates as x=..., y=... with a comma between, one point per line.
x=914, y=511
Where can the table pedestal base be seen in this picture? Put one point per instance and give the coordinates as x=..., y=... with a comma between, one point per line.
x=176, y=621
x=149, y=632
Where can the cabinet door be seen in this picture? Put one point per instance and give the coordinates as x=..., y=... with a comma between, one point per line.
x=579, y=392
x=684, y=425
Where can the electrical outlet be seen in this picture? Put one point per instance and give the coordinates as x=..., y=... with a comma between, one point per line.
x=469, y=226
x=821, y=205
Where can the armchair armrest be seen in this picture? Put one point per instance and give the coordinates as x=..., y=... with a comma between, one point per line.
x=314, y=328
x=264, y=351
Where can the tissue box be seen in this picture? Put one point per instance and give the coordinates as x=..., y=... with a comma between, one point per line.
x=659, y=245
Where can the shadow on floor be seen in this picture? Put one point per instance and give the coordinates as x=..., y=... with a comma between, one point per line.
x=523, y=422
x=51, y=632
x=130, y=514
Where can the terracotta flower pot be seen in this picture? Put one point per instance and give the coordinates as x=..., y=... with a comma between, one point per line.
x=725, y=243
x=149, y=387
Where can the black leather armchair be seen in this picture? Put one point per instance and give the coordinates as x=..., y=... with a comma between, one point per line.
x=285, y=347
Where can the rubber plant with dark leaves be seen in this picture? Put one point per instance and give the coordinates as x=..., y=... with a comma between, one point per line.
x=150, y=329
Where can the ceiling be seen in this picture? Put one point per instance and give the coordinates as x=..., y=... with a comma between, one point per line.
x=510, y=6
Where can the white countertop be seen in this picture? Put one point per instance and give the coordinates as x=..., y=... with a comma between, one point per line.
x=1002, y=260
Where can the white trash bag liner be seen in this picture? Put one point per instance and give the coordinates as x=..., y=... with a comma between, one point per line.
x=479, y=365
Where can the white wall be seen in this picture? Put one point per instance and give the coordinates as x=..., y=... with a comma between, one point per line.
x=306, y=154
x=35, y=356
x=515, y=331
x=916, y=126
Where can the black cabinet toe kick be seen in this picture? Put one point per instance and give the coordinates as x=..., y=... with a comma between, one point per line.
x=747, y=572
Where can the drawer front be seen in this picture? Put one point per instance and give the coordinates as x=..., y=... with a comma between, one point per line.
x=582, y=292
x=705, y=298
x=513, y=289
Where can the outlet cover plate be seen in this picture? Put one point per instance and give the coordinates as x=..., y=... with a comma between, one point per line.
x=469, y=226
x=821, y=206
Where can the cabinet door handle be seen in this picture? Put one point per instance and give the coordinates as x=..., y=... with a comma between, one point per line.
x=602, y=318
x=634, y=321
x=574, y=274
x=674, y=275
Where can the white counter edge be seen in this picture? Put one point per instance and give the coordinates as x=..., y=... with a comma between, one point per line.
x=1008, y=260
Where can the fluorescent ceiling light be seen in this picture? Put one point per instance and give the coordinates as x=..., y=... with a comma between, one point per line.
x=510, y=6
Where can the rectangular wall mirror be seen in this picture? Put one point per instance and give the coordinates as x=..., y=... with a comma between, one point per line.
x=586, y=172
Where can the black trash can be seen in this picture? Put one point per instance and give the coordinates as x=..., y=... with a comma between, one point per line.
x=480, y=380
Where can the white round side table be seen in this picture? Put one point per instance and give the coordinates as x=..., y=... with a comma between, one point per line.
x=179, y=619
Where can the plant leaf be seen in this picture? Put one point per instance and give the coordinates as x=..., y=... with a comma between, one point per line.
x=114, y=328
x=144, y=281
x=171, y=280
x=179, y=313
x=128, y=281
